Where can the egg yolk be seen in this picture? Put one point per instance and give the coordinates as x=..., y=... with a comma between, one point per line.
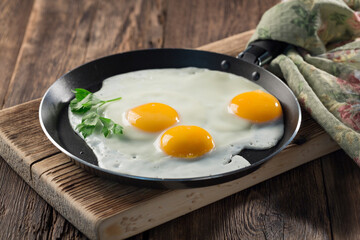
x=152, y=117
x=186, y=141
x=256, y=106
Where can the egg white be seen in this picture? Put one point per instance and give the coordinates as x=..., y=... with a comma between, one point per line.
x=201, y=97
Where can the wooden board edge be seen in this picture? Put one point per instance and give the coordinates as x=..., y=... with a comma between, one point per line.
x=12, y=152
x=66, y=206
x=13, y=158
x=176, y=203
x=61, y=202
x=229, y=45
x=14, y=108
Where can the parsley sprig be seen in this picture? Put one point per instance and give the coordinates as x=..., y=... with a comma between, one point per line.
x=87, y=104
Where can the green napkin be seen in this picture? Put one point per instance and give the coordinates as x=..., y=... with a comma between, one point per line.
x=323, y=69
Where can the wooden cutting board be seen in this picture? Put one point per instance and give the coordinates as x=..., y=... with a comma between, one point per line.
x=104, y=209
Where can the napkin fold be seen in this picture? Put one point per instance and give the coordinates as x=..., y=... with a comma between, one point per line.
x=323, y=67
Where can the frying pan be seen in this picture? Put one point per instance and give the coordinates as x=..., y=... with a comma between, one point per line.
x=54, y=105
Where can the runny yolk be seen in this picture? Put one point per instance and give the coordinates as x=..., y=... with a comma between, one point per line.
x=256, y=106
x=152, y=117
x=186, y=141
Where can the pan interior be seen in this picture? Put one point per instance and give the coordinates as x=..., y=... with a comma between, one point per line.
x=54, y=106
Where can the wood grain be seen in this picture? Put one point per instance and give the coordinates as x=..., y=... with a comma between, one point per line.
x=55, y=42
x=35, y=149
x=45, y=54
x=122, y=26
x=342, y=184
x=23, y=214
x=265, y=211
x=12, y=30
x=207, y=21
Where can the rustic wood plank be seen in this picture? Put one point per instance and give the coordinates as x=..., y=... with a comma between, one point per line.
x=25, y=215
x=342, y=182
x=12, y=30
x=83, y=198
x=265, y=211
x=207, y=21
x=35, y=148
x=126, y=25
x=55, y=42
x=16, y=194
x=231, y=45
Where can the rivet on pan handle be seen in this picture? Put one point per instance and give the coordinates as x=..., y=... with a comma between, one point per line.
x=263, y=51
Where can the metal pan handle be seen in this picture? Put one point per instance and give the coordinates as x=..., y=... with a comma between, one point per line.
x=263, y=51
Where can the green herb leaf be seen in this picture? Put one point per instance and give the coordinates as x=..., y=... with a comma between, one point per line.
x=111, y=100
x=117, y=129
x=84, y=105
x=109, y=127
x=86, y=102
x=91, y=119
x=85, y=130
x=80, y=93
x=88, y=124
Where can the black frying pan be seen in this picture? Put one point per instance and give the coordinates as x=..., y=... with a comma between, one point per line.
x=54, y=105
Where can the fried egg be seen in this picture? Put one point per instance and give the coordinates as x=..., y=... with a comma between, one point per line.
x=183, y=123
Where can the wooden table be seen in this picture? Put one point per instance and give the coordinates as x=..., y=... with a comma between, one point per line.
x=41, y=40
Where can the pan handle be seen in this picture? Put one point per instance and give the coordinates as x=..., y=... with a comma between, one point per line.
x=263, y=51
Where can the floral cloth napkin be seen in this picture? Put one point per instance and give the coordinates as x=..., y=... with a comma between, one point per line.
x=323, y=67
